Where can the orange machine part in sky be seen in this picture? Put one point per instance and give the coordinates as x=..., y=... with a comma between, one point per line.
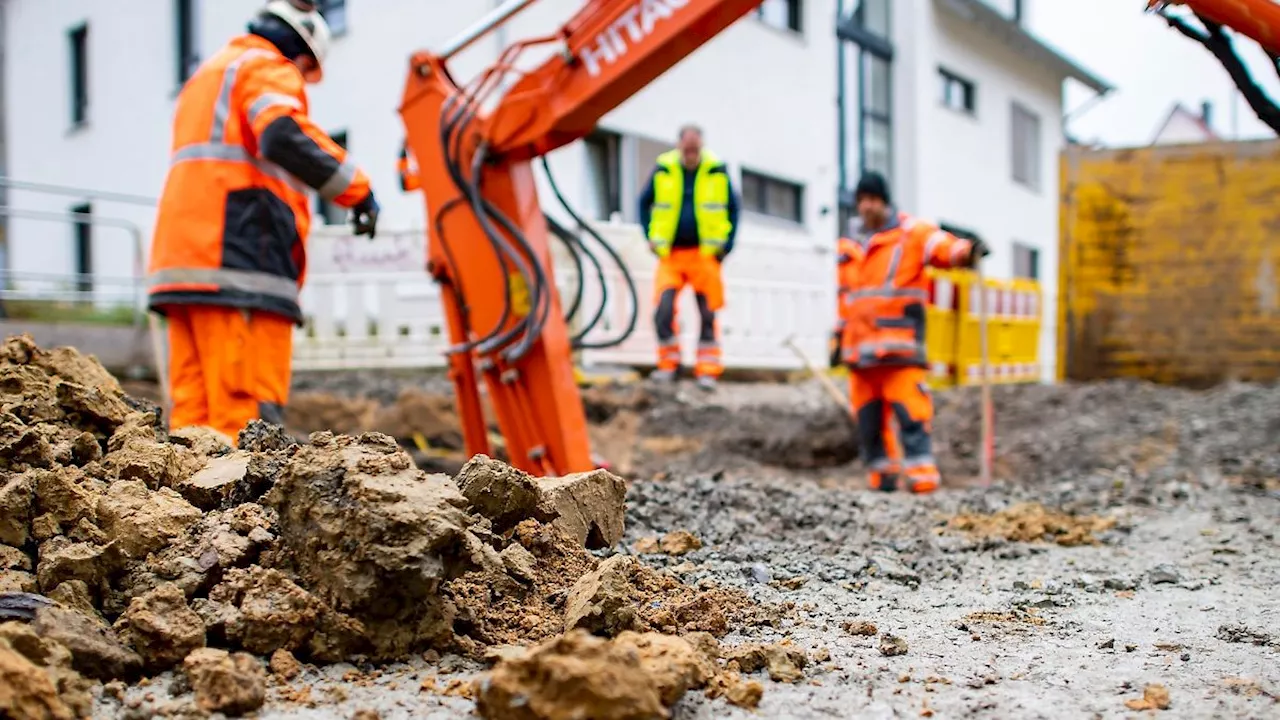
x=1255, y=19
x=487, y=238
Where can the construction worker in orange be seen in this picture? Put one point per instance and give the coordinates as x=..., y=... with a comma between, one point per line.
x=690, y=212
x=228, y=258
x=849, y=256
x=882, y=307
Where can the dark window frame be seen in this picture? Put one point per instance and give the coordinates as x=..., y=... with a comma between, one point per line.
x=795, y=16
x=186, y=56
x=968, y=89
x=871, y=43
x=333, y=214
x=78, y=41
x=611, y=141
x=757, y=187
x=1032, y=262
x=1029, y=132
x=82, y=245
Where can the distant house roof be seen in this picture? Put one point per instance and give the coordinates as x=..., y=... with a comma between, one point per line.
x=1013, y=35
x=1183, y=126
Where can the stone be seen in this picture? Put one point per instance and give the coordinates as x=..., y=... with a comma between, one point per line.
x=96, y=651
x=1164, y=575
x=215, y=484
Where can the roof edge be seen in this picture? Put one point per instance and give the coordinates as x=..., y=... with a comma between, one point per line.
x=1015, y=36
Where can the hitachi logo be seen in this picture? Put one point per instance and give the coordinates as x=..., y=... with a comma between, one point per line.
x=637, y=22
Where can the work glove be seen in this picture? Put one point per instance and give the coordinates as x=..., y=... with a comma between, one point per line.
x=833, y=347
x=364, y=216
x=977, y=250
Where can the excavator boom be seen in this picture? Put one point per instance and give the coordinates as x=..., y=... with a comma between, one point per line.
x=487, y=243
x=1258, y=20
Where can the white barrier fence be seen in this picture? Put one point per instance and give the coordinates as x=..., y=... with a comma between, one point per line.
x=371, y=304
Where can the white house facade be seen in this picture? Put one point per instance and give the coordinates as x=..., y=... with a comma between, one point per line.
x=952, y=99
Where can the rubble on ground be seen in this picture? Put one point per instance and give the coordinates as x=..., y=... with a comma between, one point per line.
x=141, y=552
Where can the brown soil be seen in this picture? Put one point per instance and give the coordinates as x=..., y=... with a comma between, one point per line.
x=1032, y=522
x=154, y=551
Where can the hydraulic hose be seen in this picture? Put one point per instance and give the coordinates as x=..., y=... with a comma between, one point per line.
x=571, y=243
x=617, y=259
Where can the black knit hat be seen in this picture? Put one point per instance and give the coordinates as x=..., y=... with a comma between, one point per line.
x=873, y=184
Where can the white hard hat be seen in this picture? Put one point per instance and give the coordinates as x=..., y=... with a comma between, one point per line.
x=310, y=24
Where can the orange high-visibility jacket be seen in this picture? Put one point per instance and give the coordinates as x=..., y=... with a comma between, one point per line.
x=884, y=290
x=236, y=209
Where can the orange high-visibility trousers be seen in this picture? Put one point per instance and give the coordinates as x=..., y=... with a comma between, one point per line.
x=227, y=366
x=689, y=267
x=889, y=435
x=900, y=393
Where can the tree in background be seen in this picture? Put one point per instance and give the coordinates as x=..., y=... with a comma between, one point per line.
x=1213, y=37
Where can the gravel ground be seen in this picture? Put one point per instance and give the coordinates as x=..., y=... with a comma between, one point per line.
x=1178, y=593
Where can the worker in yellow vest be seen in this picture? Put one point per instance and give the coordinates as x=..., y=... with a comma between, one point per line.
x=690, y=212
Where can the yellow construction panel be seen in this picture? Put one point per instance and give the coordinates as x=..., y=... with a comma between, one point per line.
x=1169, y=265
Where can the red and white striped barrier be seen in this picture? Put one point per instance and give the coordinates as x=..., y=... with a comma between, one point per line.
x=1006, y=303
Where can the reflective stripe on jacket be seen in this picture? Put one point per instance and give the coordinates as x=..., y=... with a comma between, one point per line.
x=884, y=291
x=710, y=197
x=235, y=213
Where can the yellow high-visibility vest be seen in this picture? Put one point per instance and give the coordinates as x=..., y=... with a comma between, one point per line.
x=710, y=198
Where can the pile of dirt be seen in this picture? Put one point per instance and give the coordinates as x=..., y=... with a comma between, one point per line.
x=634, y=676
x=128, y=551
x=1033, y=522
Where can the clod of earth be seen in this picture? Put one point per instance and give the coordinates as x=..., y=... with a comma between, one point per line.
x=589, y=506
x=1032, y=522
x=860, y=627
x=368, y=532
x=161, y=627
x=579, y=675
x=36, y=677
x=284, y=665
x=232, y=684
x=1154, y=697
x=676, y=543
x=892, y=645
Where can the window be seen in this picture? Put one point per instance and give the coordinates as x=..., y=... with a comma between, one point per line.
x=865, y=94
x=334, y=13
x=332, y=213
x=1026, y=147
x=604, y=173
x=1026, y=261
x=185, y=36
x=773, y=197
x=782, y=14
x=82, y=247
x=79, y=39
x=957, y=93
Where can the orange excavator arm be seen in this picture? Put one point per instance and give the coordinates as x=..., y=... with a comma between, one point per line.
x=487, y=241
x=1258, y=20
